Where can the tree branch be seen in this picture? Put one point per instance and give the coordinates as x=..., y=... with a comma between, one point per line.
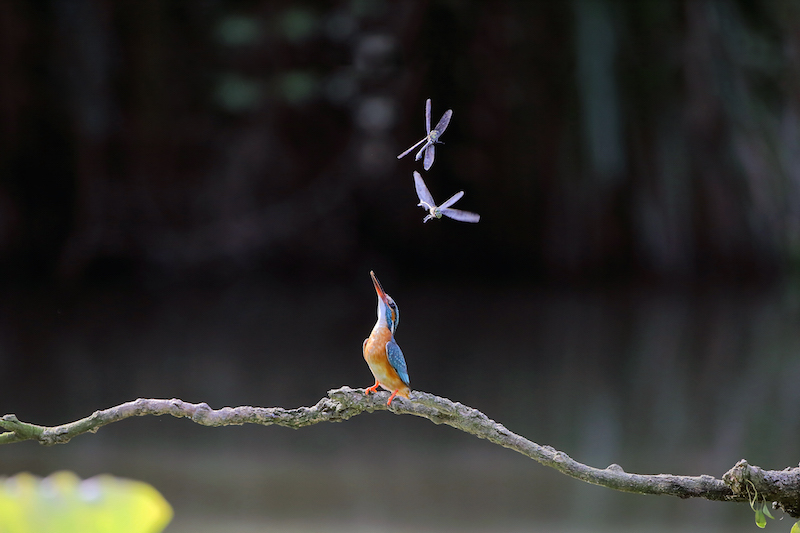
x=738, y=484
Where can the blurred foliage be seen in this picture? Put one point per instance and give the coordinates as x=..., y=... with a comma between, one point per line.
x=239, y=30
x=599, y=139
x=62, y=503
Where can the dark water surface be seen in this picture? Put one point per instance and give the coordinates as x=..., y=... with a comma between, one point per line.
x=658, y=382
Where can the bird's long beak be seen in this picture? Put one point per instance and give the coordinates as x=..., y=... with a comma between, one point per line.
x=378, y=288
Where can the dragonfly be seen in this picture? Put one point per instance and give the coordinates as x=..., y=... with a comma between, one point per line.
x=426, y=202
x=431, y=138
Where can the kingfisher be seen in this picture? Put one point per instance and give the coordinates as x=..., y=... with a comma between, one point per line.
x=383, y=355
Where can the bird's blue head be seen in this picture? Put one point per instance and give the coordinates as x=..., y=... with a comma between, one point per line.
x=388, y=312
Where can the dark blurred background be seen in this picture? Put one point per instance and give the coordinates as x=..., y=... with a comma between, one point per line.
x=192, y=194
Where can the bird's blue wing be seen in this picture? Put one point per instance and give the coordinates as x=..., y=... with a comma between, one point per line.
x=396, y=359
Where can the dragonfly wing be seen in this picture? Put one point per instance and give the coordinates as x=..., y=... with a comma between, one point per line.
x=462, y=216
x=422, y=191
x=430, y=152
x=453, y=199
x=396, y=359
x=428, y=116
x=410, y=149
x=443, y=122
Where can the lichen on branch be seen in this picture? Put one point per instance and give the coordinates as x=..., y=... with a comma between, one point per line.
x=782, y=487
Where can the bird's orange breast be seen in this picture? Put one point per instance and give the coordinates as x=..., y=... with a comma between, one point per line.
x=375, y=346
x=375, y=355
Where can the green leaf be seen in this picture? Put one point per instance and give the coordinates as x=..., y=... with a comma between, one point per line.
x=761, y=520
x=766, y=511
x=796, y=527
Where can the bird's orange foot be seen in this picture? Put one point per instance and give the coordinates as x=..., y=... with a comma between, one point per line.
x=392, y=397
x=374, y=388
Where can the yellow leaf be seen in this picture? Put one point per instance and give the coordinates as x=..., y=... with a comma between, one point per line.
x=62, y=503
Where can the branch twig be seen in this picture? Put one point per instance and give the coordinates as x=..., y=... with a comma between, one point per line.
x=782, y=487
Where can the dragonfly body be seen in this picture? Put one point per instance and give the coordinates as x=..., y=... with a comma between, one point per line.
x=383, y=355
x=426, y=202
x=428, y=149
